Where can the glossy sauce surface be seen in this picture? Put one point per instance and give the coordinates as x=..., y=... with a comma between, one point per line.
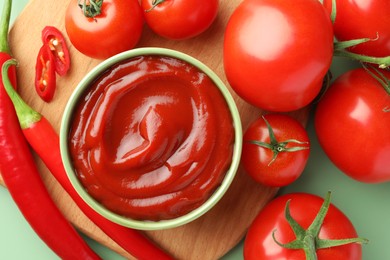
x=152, y=138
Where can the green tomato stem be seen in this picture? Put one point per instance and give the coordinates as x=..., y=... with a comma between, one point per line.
x=308, y=240
x=154, y=4
x=277, y=147
x=347, y=44
x=4, y=26
x=381, y=78
x=340, y=49
x=26, y=115
x=310, y=247
x=333, y=13
x=94, y=8
x=382, y=62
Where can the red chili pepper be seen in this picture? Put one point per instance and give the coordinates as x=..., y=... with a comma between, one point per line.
x=45, y=142
x=45, y=78
x=23, y=181
x=53, y=37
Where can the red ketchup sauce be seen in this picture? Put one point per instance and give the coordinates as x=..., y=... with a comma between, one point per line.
x=152, y=138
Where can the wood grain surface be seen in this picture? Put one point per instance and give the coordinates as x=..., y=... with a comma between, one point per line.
x=216, y=232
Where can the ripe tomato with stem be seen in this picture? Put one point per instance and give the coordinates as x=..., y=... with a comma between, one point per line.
x=275, y=150
x=103, y=28
x=276, y=54
x=352, y=122
x=302, y=226
x=179, y=19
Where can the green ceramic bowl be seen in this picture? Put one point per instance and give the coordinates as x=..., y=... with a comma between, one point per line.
x=125, y=221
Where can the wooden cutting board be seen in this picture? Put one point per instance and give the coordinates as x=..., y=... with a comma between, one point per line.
x=209, y=237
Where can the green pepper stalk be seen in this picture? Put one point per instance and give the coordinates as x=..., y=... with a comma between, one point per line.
x=5, y=52
x=4, y=26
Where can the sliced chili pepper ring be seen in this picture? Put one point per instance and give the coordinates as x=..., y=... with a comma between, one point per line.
x=45, y=78
x=53, y=37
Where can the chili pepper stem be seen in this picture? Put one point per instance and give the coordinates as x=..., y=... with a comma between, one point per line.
x=27, y=116
x=4, y=26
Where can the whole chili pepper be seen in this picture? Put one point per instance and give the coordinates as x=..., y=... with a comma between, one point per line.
x=20, y=173
x=44, y=140
x=27, y=189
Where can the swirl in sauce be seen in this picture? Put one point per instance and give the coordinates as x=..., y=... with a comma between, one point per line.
x=152, y=138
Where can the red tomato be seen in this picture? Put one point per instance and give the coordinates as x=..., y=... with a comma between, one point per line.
x=357, y=19
x=352, y=122
x=116, y=29
x=259, y=243
x=260, y=162
x=179, y=19
x=45, y=76
x=276, y=54
x=53, y=37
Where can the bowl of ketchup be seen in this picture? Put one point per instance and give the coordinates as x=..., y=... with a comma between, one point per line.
x=151, y=138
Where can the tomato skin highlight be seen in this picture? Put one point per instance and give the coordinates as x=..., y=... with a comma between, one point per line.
x=363, y=19
x=275, y=54
x=118, y=28
x=259, y=243
x=257, y=160
x=180, y=19
x=353, y=128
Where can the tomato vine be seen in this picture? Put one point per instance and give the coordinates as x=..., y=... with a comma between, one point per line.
x=341, y=47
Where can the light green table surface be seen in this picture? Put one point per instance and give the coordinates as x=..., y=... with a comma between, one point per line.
x=366, y=205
